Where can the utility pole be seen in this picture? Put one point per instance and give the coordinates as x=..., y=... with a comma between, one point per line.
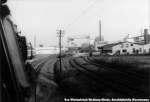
x=34, y=41
x=90, y=51
x=31, y=52
x=60, y=35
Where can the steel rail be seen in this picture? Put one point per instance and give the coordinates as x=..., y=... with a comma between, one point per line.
x=111, y=83
x=38, y=65
x=140, y=77
x=122, y=72
x=124, y=76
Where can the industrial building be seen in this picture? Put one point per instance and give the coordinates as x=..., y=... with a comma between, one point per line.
x=144, y=38
x=140, y=45
x=122, y=48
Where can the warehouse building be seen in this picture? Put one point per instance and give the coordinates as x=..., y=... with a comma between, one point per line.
x=122, y=48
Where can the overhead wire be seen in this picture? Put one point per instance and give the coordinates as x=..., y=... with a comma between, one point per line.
x=82, y=13
x=85, y=11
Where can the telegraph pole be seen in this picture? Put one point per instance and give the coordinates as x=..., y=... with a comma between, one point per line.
x=31, y=52
x=34, y=41
x=60, y=35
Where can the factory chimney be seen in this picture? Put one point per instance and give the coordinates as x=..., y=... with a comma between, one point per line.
x=100, y=32
x=145, y=36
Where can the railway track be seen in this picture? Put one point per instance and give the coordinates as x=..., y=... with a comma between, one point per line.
x=126, y=75
x=37, y=65
x=115, y=85
x=131, y=72
x=99, y=80
x=129, y=77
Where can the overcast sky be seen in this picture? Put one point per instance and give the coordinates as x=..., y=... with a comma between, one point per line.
x=41, y=18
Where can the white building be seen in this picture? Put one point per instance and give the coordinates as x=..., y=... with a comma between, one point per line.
x=123, y=48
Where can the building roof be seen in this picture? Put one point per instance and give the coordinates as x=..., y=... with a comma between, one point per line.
x=139, y=43
x=114, y=44
x=110, y=45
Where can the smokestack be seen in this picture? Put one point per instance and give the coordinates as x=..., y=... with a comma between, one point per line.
x=146, y=36
x=100, y=36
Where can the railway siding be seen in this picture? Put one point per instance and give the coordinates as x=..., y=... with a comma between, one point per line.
x=109, y=81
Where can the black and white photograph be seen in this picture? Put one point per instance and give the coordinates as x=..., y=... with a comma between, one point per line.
x=75, y=50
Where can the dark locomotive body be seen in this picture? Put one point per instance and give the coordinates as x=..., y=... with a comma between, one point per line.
x=16, y=83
